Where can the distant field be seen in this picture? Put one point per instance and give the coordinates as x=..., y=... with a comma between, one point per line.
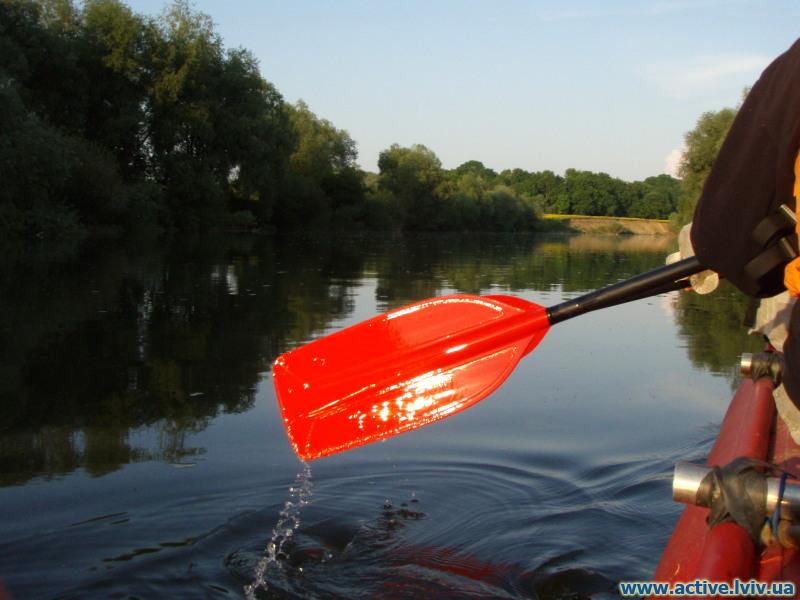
x=614, y=225
x=555, y=216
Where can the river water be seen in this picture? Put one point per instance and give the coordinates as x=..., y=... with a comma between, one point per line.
x=142, y=454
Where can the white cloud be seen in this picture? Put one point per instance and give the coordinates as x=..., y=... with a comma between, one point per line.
x=706, y=73
x=673, y=161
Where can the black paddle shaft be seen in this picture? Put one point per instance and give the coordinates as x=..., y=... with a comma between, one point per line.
x=641, y=286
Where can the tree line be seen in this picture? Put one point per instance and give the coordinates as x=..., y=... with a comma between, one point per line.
x=114, y=120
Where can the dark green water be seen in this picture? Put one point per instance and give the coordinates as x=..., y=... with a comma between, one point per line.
x=142, y=454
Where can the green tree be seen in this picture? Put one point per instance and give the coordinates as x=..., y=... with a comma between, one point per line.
x=472, y=185
x=503, y=210
x=35, y=167
x=40, y=53
x=323, y=175
x=111, y=108
x=322, y=149
x=217, y=130
x=542, y=187
x=254, y=136
x=588, y=193
x=185, y=56
x=114, y=60
x=474, y=167
x=413, y=175
x=477, y=205
x=655, y=197
x=702, y=146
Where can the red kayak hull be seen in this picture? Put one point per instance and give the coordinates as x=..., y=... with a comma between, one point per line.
x=751, y=429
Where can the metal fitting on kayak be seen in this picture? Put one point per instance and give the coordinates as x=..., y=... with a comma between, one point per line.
x=691, y=486
x=761, y=364
x=740, y=493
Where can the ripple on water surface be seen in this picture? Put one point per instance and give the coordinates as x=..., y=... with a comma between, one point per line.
x=521, y=525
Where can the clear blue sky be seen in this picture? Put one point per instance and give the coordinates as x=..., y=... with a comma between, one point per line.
x=602, y=86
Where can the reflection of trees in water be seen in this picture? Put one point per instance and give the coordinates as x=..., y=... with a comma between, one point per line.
x=163, y=338
x=167, y=339
x=713, y=328
x=477, y=263
x=51, y=451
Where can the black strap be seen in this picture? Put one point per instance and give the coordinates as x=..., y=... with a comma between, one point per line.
x=738, y=494
x=769, y=259
x=776, y=234
x=775, y=225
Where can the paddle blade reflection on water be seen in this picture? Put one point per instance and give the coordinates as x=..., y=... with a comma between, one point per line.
x=402, y=370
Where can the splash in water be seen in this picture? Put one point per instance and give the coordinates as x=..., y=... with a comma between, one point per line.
x=288, y=523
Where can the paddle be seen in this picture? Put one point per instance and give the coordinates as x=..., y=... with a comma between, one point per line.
x=420, y=363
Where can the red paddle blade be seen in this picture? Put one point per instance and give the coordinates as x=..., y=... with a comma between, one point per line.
x=402, y=370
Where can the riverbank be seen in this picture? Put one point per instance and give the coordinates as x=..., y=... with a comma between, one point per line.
x=612, y=225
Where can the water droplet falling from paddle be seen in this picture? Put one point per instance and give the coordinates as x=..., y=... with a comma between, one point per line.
x=288, y=523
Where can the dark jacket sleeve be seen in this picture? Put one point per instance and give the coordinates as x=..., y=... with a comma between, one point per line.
x=752, y=175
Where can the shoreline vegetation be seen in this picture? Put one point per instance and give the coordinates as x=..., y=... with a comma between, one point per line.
x=114, y=122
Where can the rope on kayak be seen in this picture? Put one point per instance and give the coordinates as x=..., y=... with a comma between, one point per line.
x=776, y=514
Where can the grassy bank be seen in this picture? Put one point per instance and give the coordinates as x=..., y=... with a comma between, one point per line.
x=610, y=225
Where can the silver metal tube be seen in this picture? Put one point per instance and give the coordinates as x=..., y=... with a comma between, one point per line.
x=687, y=478
x=746, y=364
x=686, y=481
